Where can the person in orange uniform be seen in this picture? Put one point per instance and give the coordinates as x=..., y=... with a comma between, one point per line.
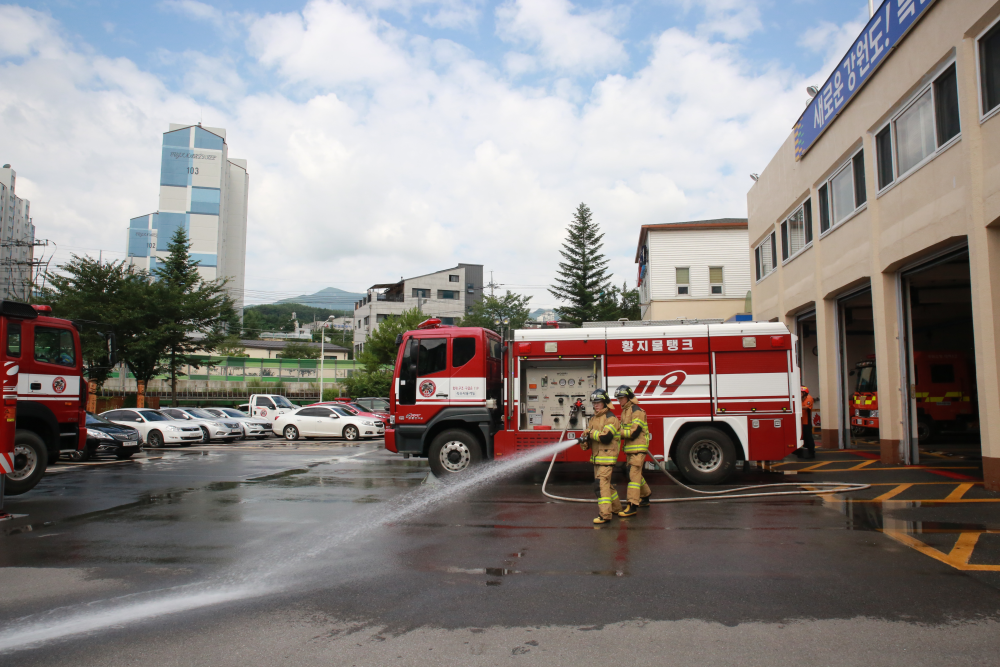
x=603, y=432
x=808, y=448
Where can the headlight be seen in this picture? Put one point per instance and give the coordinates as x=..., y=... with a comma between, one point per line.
x=368, y=423
x=857, y=413
x=99, y=435
x=171, y=428
x=874, y=413
x=217, y=424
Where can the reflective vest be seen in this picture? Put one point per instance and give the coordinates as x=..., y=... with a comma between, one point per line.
x=634, y=418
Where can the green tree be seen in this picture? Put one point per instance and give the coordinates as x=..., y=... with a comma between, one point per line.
x=486, y=312
x=197, y=314
x=629, y=306
x=231, y=346
x=253, y=323
x=294, y=350
x=583, y=275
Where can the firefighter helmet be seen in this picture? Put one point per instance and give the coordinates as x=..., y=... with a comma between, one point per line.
x=600, y=395
x=624, y=391
x=805, y=389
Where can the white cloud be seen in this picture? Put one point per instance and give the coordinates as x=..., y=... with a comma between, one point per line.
x=565, y=38
x=439, y=159
x=730, y=19
x=199, y=11
x=454, y=14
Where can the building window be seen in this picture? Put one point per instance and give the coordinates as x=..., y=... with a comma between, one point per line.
x=989, y=68
x=421, y=293
x=379, y=318
x=715, y=279
x=448, y=294
x=766, y=256
x=796, y=231
x=453, y=279
x=843, y=193
x=367, y=321
x=921, y=129
x=683, y=280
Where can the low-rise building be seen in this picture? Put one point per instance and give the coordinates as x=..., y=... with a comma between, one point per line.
x=694, y=270
x=447, y=294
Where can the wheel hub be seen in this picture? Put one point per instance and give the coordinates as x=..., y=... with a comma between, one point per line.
x=455, y=456
x=25, y=462
x=706, y=456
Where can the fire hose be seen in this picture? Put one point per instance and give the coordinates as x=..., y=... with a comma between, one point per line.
x=816, y=488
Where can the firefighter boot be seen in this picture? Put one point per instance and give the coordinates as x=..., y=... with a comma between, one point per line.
x=630, y=510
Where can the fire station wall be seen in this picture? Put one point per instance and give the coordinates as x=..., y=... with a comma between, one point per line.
x=695, y=309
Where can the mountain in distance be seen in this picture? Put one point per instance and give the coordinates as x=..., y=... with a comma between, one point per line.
x=330, y=298
x=544, y=315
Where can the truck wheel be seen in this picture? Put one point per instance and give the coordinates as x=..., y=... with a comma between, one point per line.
x=706, y=455
x=858, y=431
x=925, y=430
x=30, y=460
x=453, y=451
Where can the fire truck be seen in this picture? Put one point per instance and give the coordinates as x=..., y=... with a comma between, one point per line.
x=714, y=394
x=45, y=396
x=945, y=394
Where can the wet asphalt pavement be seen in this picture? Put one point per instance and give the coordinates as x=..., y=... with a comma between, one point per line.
x=288, y=545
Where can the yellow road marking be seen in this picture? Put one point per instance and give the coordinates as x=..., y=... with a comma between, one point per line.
x=957, y=558
x=899, y=468
x=958, y=492
x=864, y=464
x=895, y=492
x=814, y=466
x=962, y=550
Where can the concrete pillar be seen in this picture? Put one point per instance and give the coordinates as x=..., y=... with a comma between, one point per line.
x=832, y=397
x=885, y=308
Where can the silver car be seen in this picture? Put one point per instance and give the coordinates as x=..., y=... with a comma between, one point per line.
x=252, y=427
x=211, y=426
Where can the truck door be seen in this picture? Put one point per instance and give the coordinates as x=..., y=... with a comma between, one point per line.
x=425, y=379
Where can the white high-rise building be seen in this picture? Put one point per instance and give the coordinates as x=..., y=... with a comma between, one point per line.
x=17, y=240
x=204, y=191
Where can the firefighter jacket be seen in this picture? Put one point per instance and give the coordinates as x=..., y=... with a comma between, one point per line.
x=634, y=430
x=602, y=432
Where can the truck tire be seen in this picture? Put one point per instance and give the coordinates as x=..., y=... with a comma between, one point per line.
x=30, y=460
x=454, y=451
x=706, y=455
x=925, y=430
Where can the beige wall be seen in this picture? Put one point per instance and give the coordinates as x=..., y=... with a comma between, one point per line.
x=694, y=309
x=951, y=200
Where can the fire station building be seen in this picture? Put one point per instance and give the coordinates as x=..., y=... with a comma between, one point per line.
x=875, y=235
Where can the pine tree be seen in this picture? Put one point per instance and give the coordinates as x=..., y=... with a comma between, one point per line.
x=197, y=314
x=582, y=279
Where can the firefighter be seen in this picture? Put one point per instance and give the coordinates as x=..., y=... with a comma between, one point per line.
x=808, y=449
x=635, y=440
x=602, y=435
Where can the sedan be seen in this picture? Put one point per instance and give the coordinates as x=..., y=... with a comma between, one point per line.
x=252, y=428
x=325, y=422
x=211, y=426
x=355, y=410
x=155, y=428
x=106, y=437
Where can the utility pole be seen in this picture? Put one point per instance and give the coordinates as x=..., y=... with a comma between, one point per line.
x=322, y=337
x=492, y=284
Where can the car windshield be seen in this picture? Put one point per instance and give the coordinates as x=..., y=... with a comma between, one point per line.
x=231, y=412
x=201, y=414
x=154, y=416
x=215, y=412
x=282, y=402
x=94, y=419
x=351, y=408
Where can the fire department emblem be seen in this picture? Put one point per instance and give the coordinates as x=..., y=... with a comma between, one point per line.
x=427, y=388
x=59, y=385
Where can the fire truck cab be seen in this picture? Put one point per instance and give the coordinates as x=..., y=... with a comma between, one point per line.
x=714, y=394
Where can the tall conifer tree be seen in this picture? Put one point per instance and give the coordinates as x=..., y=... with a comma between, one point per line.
x=582, y=280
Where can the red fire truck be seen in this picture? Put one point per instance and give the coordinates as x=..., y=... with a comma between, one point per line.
x=945, y=394
x=45, y=397
x=714, y=394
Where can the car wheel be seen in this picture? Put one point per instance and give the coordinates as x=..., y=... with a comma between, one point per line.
x=291, y=433
x=453, y=452
x=123, y=456
x=154, y=439
x=30, y=460
x=351, y=432
x=706, y=456
x=206, y=436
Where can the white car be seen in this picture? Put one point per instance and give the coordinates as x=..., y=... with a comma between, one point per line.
x=211, y=426
x=155, y=428
x=252, y=428
x=326, y=422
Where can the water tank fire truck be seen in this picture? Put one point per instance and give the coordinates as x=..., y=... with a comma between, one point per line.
x=45, y=396
x=945, y=394
x=714, y=394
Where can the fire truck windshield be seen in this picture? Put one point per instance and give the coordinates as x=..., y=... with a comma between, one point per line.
x=867, y=380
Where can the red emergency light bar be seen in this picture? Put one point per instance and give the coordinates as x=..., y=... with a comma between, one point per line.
x=432, y=323
x=42, y=309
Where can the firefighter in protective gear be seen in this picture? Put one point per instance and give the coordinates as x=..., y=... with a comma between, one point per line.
x=601, y=437
x=808, y=448
x=635, y=440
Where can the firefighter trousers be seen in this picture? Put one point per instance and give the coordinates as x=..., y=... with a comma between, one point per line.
x=607, y=501
x=637, y=487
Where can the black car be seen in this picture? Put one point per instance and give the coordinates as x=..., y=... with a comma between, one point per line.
x=105, y=437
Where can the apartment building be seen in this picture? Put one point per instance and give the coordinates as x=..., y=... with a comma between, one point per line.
x=17, y=240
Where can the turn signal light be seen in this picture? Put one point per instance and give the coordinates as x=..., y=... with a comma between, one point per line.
x=777, y=341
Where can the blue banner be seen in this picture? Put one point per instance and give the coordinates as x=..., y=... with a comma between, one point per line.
x=884, y=31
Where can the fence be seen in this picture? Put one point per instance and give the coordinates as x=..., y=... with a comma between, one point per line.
x=243, y=369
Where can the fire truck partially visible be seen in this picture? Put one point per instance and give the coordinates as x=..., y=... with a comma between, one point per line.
x=45, y=396
x=945, y=394
x=714, y=394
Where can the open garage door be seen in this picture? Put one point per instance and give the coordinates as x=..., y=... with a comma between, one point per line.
x=808, y=358
x=859, y=388
x=942, y=394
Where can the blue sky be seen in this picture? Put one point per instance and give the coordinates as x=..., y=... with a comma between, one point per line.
x=411, y=133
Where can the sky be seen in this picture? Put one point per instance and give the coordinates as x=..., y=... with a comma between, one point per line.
x=392, y=138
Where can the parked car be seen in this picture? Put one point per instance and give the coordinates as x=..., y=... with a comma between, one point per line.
x=377, y=405
x=155, y=428
x=212, y=427
x=356, y=410
x=252, y=428
x=324, y=422
x=106, y=437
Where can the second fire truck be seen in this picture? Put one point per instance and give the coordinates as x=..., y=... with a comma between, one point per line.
x=714, y=394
